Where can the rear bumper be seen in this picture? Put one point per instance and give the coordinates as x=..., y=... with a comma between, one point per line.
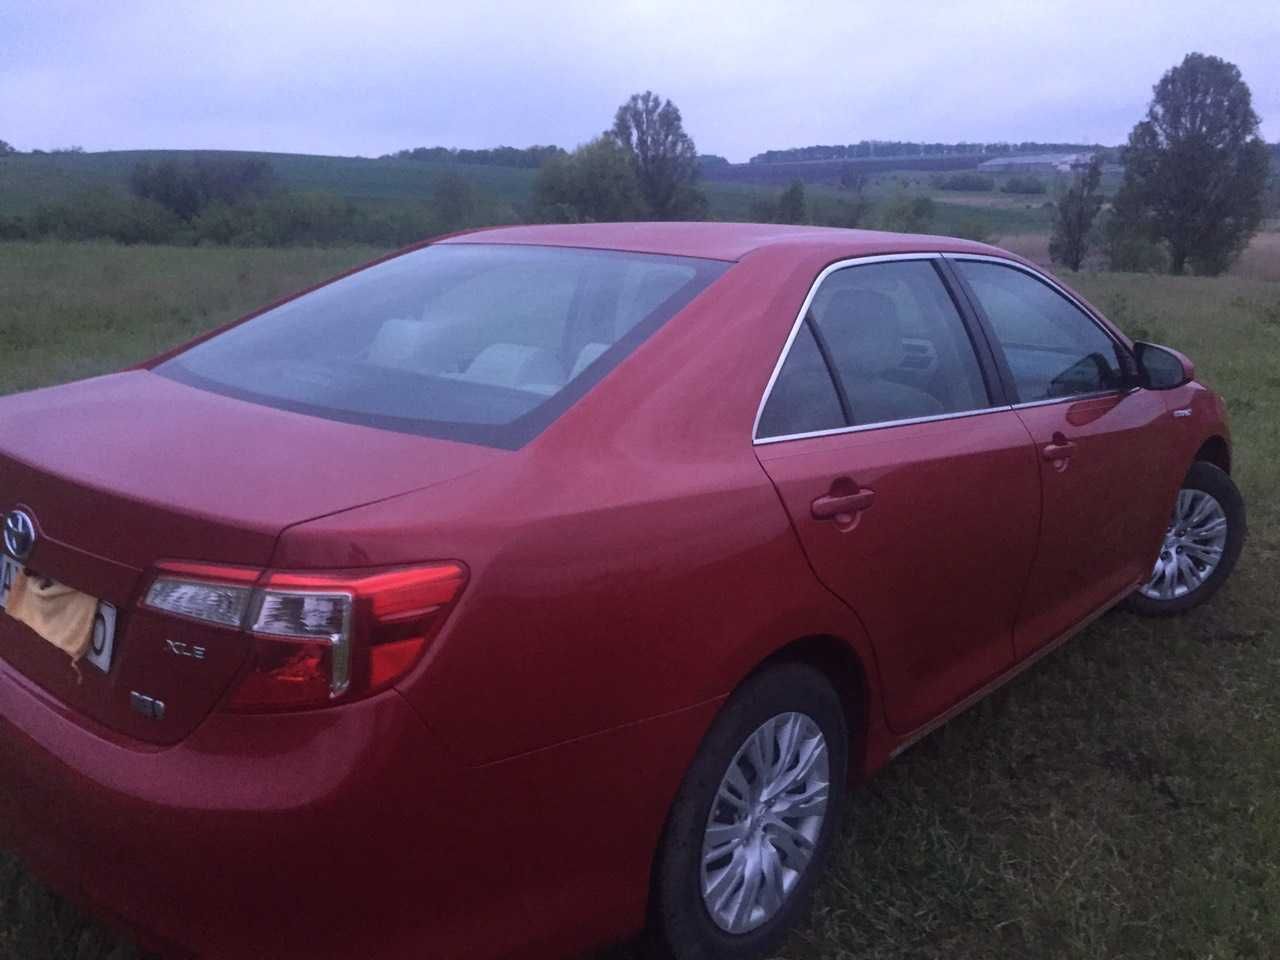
x=339, y=833
x=254, y=835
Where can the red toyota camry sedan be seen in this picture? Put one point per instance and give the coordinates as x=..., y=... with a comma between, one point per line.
x=539, y=585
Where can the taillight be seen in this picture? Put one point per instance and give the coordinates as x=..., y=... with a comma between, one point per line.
x=317, y=638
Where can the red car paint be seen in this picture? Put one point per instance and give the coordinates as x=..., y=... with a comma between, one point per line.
x=627, y=569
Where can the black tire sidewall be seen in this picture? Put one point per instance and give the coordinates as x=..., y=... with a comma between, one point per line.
x=683, y=929
x=1212, y=480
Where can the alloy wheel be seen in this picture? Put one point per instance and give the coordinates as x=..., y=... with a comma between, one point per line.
x=1192, y=549
x=765, y=821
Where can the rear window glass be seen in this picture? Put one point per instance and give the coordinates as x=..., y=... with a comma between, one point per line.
x=472, y=342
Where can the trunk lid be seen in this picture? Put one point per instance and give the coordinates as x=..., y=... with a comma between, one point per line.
x=126, y=470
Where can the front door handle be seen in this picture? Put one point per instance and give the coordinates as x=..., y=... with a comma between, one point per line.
x=1059, y=449
x=834, y=506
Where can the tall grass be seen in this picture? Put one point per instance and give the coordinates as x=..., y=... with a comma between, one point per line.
x=71, y=310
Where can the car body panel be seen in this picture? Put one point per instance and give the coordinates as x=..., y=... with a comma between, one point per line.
x=641, y=502
x=122, y=472
x=213, y=847
x=1106, y=505
x=937, y=638
x=135, y=466
x=629, y=567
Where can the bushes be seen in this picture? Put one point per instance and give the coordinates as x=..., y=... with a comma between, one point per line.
x=1023, y=184
x=104, y=214
x=1130, y=245
x=595, y=183
x=974, y=182
x=280, y=220
x=186, y=189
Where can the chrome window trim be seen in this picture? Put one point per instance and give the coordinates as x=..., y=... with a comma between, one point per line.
x=795, y=330
x=883, y=424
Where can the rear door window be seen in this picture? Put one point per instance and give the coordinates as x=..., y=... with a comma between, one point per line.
x=803, y=398
x=484, y=343
x=881, y=343
x=897, y=343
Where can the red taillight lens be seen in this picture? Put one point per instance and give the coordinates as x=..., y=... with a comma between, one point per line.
x=317, y=637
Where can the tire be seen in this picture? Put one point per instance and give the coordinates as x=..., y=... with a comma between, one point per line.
x=795, y=700
x=1161, y=597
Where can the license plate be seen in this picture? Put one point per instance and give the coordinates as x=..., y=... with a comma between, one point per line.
x=104, y=618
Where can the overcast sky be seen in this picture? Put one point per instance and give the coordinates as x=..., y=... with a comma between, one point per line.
x=371, y=76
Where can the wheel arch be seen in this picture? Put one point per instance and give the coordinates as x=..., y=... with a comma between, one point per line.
x=1216, y=451
x=840, y=663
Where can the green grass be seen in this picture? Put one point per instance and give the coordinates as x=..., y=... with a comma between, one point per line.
x=74, y=310
x=1119, y=800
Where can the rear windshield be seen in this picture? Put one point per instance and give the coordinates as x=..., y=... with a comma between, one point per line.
x=473, y=342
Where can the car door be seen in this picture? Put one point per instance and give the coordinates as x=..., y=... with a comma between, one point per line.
x=912, y=487
x=1100, y=443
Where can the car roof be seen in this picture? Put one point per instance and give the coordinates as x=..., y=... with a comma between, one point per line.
x=720, y=241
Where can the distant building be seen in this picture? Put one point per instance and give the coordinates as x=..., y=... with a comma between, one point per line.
x=1036, y=163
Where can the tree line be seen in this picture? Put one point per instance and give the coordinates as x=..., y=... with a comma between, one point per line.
x=526, y=157
x=864, y=149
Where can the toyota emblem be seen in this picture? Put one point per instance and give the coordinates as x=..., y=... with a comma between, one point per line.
x=19, y=535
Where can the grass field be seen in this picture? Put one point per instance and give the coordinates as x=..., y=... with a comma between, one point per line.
x=28, y=180
x=1120, y=800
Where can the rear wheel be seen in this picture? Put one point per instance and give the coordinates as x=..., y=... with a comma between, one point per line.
x=754, y=819
x=1201, y=544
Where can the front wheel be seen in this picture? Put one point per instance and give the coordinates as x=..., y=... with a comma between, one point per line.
x=754, y=819
x=1200, y=546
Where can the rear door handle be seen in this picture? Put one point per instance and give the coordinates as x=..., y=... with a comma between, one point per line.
x=1059, y=449
x=836, y=505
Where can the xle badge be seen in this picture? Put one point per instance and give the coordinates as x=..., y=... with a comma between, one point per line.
x=178, y=648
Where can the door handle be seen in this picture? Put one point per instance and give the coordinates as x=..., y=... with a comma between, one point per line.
x=1059, y=449
x=837, y=505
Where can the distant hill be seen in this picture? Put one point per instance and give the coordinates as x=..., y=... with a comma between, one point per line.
x=28, y=180
x=782, y=172
x=829, y=164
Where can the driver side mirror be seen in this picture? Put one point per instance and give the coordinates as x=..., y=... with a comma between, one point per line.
x=1160, y=368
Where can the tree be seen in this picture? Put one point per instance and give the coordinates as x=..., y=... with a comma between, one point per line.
x=454, y=202
x=6, y=147
x=1196, y=168
x=908, y=214
x=662, y=155
x=1075, y=215
x=791, y=206
x=851, y=178
x=594, y=183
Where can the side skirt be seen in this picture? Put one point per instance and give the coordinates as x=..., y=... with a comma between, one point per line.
x=923, y=731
